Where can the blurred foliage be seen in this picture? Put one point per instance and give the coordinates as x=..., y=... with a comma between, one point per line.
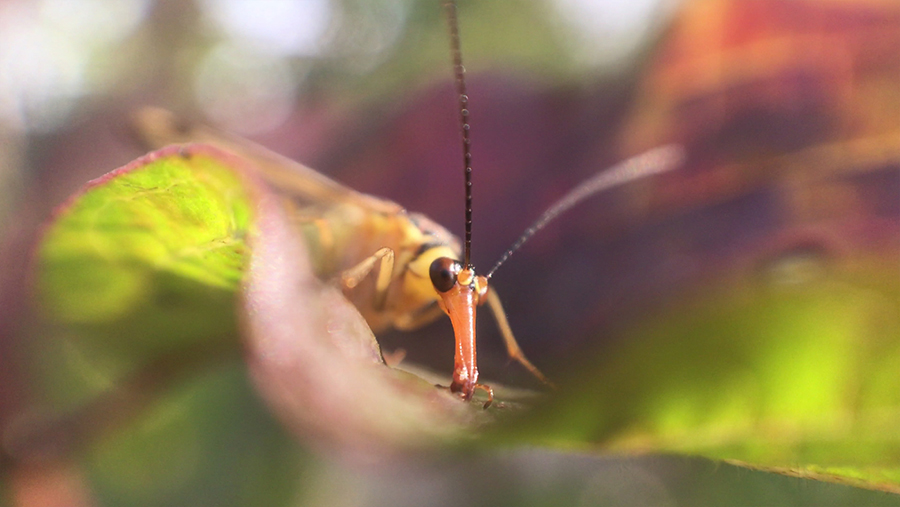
x=799, y=377
x=189, y=448
x=743, y=309
x=816, y=385
x=144, y=263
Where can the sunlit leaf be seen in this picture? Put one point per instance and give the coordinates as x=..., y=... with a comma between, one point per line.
x=796, y=378
x=149, y=256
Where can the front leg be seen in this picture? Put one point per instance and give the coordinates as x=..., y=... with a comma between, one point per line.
x=512, y=347
x=385, y=259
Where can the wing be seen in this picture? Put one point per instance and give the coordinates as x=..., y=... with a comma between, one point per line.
x=156, y=128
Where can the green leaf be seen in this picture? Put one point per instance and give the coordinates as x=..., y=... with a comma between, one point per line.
x=149, y=256
x=800, y=379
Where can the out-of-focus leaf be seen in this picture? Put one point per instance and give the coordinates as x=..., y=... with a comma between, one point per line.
x=312, y=362
x=149, y=256
x=207, y=440
x=544, y=477
x=142, y=266
x=139, y=274
x=799, y=378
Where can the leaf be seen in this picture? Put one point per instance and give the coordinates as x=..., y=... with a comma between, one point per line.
x=541, y=477
x=798, y=379
x=149, y=256
x=138, y=276
x=310, y=362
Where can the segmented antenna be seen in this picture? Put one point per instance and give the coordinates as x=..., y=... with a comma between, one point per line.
x=460, y=73
x=650, y=162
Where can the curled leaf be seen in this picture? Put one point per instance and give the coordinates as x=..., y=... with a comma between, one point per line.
x=316, y=362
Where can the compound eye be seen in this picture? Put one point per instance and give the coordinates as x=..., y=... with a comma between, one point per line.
x=443, y=273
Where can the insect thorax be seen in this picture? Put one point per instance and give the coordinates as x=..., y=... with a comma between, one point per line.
x=342, y=236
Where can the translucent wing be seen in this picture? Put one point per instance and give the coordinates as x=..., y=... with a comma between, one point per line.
x=157, y=128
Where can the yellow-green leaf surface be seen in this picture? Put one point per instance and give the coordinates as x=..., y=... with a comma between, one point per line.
x=137, y=278
x=145, y=261
x=157, y=246
x=801, y=379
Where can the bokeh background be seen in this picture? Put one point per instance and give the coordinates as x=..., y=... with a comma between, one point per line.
x=789, y=110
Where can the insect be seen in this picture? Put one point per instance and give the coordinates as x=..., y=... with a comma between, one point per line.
x=400, y=269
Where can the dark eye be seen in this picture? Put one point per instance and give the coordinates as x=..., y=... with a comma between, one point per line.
x=443, y=273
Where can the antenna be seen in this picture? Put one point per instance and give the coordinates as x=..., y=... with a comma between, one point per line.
x=460, y=73
x=650, y=162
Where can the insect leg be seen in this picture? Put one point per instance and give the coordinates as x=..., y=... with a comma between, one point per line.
x=351, y=277
x=490, y=394
x=512, y=347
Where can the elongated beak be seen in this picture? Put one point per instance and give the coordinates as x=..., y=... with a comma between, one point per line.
x=459, y=303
